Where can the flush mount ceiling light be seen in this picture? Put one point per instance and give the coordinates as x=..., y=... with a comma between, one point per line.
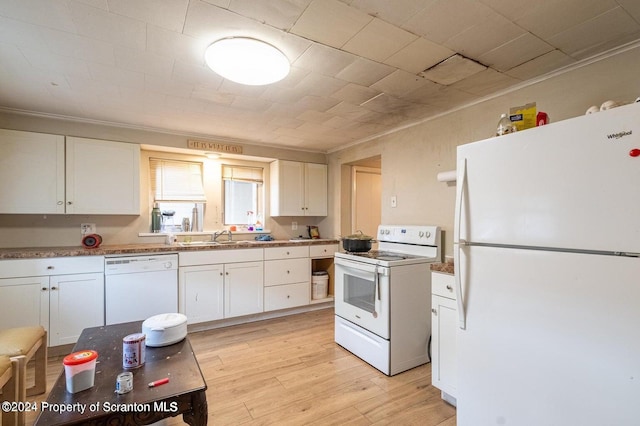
x=247, y=61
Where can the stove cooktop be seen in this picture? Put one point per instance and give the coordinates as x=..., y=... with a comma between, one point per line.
x=385, y=258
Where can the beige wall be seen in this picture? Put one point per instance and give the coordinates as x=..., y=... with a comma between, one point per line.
x=64, y=230
x=411, y=158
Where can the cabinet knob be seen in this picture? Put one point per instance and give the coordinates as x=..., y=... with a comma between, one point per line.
x=69, y=203
x=449, y=288
x=50, y=267
x=44, y=289
x=288, y=272
x=226, y=273
x=288, y=297
x=54, y=288
x=434, y=311
x=60, y=203
x=221, y=274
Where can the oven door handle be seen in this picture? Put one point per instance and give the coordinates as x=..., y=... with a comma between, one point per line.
x=376, y=280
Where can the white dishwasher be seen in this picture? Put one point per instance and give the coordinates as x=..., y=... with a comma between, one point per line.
x=140, y=286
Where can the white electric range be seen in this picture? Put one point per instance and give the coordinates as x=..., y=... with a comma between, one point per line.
x=383, y=298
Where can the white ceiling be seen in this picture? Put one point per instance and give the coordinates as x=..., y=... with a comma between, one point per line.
x=359, y=67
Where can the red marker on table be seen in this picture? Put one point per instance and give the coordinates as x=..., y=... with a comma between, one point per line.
x=159, y=382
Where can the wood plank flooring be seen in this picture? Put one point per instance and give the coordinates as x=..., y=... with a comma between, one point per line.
x=289, y=371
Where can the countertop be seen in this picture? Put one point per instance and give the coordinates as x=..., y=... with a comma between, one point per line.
x=446, y=267
x=125, y=249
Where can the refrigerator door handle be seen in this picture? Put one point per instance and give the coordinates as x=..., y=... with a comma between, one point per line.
x=462, y=184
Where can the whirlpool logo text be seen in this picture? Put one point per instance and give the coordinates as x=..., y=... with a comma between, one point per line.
x=619, y=134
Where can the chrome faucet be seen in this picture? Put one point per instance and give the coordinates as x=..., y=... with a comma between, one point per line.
x=218, y=234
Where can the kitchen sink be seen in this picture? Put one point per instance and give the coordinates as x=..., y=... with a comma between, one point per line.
x=198, y=243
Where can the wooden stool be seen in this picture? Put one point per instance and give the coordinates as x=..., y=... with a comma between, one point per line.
x=11, y=384
x=30, y=342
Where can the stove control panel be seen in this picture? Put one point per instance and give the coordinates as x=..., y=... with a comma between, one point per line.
x=410, y=234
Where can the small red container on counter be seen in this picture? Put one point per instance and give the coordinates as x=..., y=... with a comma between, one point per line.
x=542, y=118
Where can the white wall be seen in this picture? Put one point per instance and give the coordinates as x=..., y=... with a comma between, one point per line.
x=411, y=158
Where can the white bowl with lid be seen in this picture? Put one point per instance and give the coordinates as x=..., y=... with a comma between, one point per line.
x=165, y=329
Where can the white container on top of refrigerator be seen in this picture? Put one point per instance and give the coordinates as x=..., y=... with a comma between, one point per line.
x=547, y=238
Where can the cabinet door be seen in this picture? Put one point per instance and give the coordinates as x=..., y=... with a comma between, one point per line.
x=103, y=177
x=31, y=172
x=243, y=289
x=315, y=190
x=201, y=293
x=287, y=188
x=443, y=344
x=76, y=302
x=24, y=302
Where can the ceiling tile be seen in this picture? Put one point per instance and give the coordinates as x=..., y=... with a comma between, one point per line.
x=541, y=65
x=344, y=22
x=515, y=52
x=144, y=62
x=418, y=56
x=48, y=62
x=348, y=111
x=443, y=19
x=485, y=82
x=399, y=83
x=553, y=17
x=452, y=69
x=116, y=76
x=76, y=46
x=115, y=29
x=324, y=59
x=320, y=85
x=396, y=12
x=365, y=72
x=169, y=14
x=171, y=44
x=355, y=94
x=100, y=4
x=48, y=13
x=632, y=7
x=277, y=13
x=494, y=30
x=378, y=40
x=586, y=37
x=317, y=103
x=20, y=34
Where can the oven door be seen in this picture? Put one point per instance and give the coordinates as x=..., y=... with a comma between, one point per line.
x=362, y=295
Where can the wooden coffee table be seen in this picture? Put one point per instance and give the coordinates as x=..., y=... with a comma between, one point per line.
x=184, y=394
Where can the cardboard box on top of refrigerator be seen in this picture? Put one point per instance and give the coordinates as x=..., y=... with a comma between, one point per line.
x=524, y=117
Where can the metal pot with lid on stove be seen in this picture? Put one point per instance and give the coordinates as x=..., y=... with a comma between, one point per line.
x=357, y=242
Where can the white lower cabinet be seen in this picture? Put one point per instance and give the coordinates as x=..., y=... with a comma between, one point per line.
x=287, y=277
x=243, y=289
x=63, y=304
x=219, y=284
x=201, y=293
x=443, y=335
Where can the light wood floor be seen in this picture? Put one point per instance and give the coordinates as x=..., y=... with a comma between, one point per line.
x=289, y=371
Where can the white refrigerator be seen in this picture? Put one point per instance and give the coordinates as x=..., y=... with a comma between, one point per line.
x=547, y=239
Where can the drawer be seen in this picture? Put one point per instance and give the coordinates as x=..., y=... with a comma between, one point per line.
x=325, y=250
x=271, y=253
x=51, y=266
x=443, y=285
x=286, y=296
x=287, y=271
x=211, y=257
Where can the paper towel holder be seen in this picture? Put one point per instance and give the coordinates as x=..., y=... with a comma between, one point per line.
x=448, y=176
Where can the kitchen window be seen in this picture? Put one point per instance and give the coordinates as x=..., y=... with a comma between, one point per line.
x=177, y=188
x=243, y=194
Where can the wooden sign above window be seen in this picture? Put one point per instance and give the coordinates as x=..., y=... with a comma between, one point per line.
x=214, y=146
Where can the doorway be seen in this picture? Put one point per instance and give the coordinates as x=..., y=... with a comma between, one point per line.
x=366, y=197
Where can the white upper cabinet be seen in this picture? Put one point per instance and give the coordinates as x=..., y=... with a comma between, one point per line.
x=31, y=172
x=298, y=189
x=41, y=174
x=103, y=177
